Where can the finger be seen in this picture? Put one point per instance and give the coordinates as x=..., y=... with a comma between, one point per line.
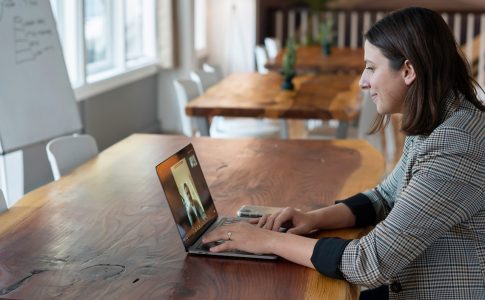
x=254, y=220
x=280, y=219
x=226, y=246
x=270, y=221
x=216, y=235
x=262, y=221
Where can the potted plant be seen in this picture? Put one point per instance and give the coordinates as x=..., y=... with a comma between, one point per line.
x=325, y=29
x=326, y=36
x=289, y=60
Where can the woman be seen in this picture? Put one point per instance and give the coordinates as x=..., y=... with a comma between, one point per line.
x=194, y=205
x=429, y=214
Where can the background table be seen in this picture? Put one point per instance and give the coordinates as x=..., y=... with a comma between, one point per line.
x=105, y=231
x=321, y=97
x=311, y=59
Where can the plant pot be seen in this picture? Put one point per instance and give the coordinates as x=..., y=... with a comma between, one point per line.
x=326, y=48
x=288, y=83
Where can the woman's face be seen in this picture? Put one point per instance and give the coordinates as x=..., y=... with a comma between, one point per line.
x=387, y=87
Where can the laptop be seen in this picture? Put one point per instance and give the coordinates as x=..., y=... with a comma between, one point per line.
x=191, y=203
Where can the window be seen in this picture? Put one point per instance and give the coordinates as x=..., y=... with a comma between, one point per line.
x=98, y=35
x=139, y=28
x=133, y=30
x=106, y=40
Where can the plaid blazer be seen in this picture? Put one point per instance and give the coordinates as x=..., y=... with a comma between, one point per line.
x=429, y=242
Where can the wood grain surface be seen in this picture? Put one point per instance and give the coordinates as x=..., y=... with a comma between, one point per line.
x=256, y=95
x=105, y=231
x=311, y=59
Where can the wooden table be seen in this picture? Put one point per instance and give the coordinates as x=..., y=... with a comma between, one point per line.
x=105, y=231
x=311, y=59
x=315, y=96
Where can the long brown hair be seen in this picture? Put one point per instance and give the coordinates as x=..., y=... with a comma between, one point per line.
x=421, y=36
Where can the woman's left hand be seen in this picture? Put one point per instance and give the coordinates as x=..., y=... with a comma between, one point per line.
x=241, y=236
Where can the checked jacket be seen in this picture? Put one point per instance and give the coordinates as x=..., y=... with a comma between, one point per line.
x=429, y=215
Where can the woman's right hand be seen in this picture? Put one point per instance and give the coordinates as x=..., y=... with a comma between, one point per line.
x=296, y=221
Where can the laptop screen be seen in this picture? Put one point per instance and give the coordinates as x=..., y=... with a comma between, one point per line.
x=187, y=194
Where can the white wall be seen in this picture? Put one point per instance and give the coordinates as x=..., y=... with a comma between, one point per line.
x=168, y=110
x=231, y=38
x=232, y=34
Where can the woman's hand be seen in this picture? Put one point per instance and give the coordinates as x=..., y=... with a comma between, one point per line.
x=241, y=236
x=250, y=238
x=296, y=221
x=293, y=247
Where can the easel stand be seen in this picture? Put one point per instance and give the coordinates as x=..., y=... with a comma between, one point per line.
x=12, y=176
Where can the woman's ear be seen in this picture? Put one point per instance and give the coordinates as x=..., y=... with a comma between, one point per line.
x=408, y=73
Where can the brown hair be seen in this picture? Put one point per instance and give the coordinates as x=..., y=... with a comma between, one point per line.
x=421, y=36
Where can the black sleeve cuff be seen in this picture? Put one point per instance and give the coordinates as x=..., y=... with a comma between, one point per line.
x=327, y=255
x=362, y=208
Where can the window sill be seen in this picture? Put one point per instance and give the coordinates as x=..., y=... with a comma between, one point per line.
x=111, y=80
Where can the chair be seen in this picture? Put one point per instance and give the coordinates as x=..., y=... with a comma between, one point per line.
x=204, y=80
x=213, y=69
x=223, y=127
x=273, y=46
x=3, y=203
x=68, y=152
x=261, y=59
x=186, y=91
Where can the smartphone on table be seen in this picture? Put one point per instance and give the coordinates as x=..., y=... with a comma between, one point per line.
x=256, y=211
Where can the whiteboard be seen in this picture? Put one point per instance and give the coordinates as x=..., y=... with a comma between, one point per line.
x=37, y=102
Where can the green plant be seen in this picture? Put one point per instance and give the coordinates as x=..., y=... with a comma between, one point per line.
x=325, y=29
x=326, y=32
x=289, y=59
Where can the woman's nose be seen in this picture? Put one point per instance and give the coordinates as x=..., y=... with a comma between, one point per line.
x=363, y=82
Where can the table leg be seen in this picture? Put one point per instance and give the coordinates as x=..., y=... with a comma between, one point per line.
x=202, y=124
x=342, y=130
x=284, y=129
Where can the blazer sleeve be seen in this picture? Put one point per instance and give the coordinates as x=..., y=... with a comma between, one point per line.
x=383, y=196
x=372, y=206
x=445, y=189
x=369, y=208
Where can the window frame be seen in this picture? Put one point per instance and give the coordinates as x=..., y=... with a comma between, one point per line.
x=101, y=78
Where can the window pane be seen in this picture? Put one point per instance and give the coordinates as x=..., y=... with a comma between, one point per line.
x=97, y=31
x=134, y=29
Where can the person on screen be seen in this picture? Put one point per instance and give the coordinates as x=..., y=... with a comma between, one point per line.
x=194, y=205
x=191, y=214
x=429, y=213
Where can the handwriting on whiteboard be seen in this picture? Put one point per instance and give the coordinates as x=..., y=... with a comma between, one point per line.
x=8, y=4
x=32, y=39
x=32, y=36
